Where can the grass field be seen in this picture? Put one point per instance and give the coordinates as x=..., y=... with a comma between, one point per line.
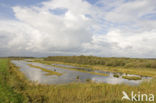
x=15, y=88
x=7, y=93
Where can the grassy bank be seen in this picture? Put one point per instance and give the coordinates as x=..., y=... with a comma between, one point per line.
x=7, y=93
x=69, y=93
x=131, y=77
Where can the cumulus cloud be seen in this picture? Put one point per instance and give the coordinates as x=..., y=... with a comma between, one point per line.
x=73, y=27
x=39, y=30
x=116, y=43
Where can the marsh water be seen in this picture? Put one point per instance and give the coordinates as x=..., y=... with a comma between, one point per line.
x=69, y=76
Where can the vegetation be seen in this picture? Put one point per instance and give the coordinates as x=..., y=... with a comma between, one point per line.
x=88, y=80
x=78, y=77
x=20, y=90
x=7, y=93
x=81, y=70
x=116, y=75
x=113, y=62
x=121, y=69
x=49, y=72
x=133, y=69
x=131, y=77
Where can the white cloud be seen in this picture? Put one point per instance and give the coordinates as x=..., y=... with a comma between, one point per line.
x=116, y=43
x=39, y=30
x=108, y=28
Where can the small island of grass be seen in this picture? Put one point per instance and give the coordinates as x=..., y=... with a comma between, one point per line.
x=116, y=75
x=131, y=77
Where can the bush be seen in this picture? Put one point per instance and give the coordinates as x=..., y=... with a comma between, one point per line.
x=92, y=60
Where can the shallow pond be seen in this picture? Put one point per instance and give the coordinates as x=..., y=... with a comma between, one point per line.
x=68, y=76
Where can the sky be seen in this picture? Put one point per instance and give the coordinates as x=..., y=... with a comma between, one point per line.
x=107, y=28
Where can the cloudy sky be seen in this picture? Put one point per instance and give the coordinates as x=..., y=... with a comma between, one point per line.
x=109, y=28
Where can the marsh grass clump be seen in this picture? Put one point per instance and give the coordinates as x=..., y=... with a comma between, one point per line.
x=88, y=80
x=116, y=75
x=78, y=77
x=49, y=72
x=132, y=77
x=30, y=61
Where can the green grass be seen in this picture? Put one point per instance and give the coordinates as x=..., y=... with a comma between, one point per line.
x=49, y=72
x=131, y=77
x=89, y=92
x=116, y=75
x=7, y=94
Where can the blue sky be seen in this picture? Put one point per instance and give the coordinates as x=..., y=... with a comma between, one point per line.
x=118, y=28
x=7, y=12
x=21, y=2
x=6, y=6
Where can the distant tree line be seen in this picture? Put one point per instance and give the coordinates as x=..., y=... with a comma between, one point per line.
x=19, y=57
x=93, y=60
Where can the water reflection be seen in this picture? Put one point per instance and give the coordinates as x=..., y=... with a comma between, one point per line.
x=69, y=76
x=77, y=68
